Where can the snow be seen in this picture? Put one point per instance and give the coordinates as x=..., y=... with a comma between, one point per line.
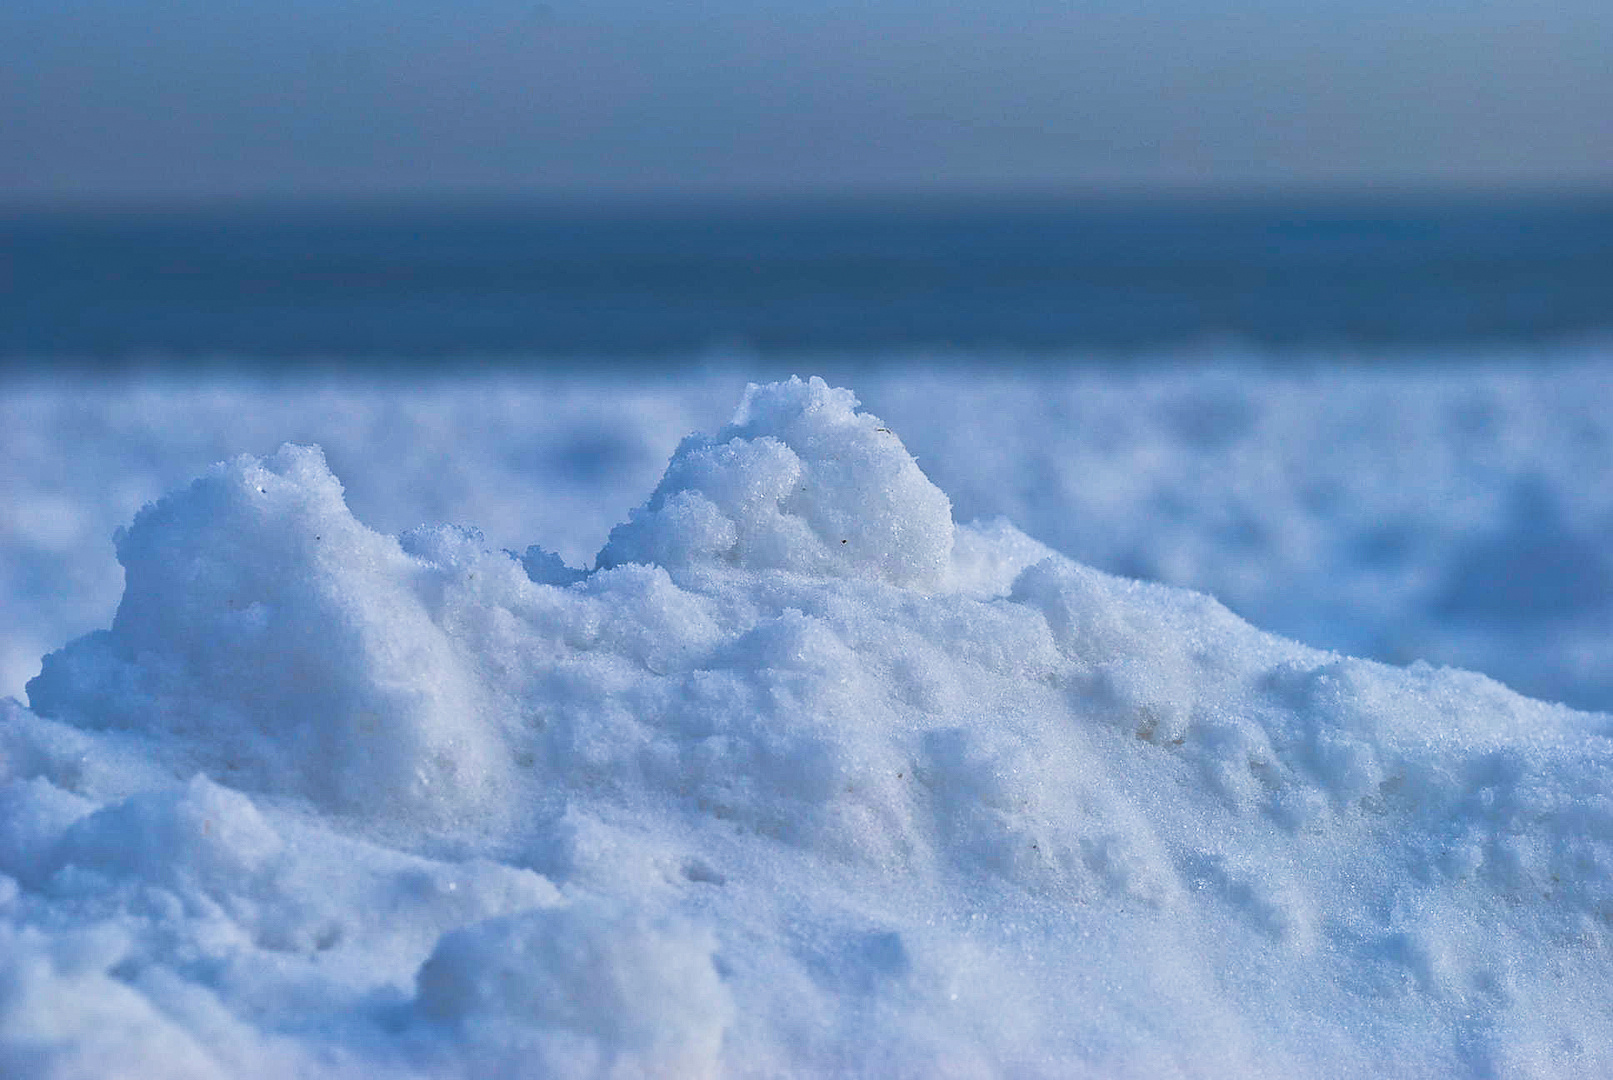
x=1448, y=506
x=805, y=776
x=801, y=482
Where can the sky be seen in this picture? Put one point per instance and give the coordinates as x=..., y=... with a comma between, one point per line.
x=110, y=98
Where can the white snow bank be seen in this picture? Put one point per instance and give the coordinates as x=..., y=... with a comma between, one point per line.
x=931, y=802
x=1395, y=504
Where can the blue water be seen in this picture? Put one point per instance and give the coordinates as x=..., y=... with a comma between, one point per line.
x=422, y=281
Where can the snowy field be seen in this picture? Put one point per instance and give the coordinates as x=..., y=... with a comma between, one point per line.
x=843, y=759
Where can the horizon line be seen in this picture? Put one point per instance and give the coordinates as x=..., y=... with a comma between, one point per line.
x=759, y=195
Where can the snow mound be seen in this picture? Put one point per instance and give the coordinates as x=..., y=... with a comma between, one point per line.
x=577, y=990
x=803, y=779
x=289, y=640
x=798, y=481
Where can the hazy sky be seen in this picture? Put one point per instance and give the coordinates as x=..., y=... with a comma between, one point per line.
x=128, y=97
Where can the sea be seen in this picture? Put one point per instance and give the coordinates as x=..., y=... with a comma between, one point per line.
x=436, y=285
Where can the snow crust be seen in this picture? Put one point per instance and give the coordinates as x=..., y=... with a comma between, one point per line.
x=803, y=778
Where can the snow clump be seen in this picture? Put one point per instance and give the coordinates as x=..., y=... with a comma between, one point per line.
x=799, y=481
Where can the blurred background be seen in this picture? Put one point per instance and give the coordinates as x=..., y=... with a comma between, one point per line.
x=160, y=98
x=332, y=180
x=1305, y=304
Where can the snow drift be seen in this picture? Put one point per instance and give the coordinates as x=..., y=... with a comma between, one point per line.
x=802, y=779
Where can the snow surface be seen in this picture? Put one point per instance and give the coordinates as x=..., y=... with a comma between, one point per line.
x=1451, y=506
x=835, y=786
